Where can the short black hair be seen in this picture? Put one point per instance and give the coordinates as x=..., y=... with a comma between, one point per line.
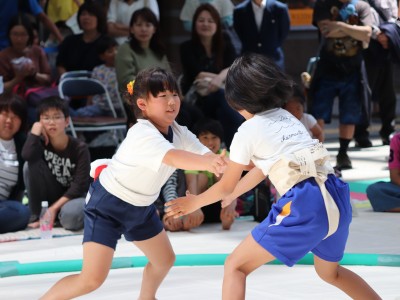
x=209, y=125
x=97, y=10
x=17, y=105
x=105, y=43
x=151, y=81
x=255, y=83
x=298, y=95
x=53, y=102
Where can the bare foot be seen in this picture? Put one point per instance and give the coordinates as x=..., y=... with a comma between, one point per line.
x=172, y=224
x=228, y=215
x=34, y=224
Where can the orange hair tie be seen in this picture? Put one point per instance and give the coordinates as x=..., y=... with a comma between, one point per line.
x=129, y=87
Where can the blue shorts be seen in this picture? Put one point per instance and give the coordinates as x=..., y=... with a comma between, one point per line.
x=306, y=225
x=350, y=99
x=107, y=217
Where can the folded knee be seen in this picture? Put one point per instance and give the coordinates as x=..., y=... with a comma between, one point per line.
x=233, y=265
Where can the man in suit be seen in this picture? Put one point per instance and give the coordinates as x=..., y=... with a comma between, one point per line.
x=262, y=27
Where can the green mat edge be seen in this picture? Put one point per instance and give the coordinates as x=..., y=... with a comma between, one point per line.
x=14, y=268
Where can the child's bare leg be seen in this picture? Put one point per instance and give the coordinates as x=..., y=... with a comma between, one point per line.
x=97, y=261
x=344, y=279
x=247, y=257
x=228, y=215
x=161, y=258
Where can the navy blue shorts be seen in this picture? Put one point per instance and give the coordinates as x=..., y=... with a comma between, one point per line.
x=298, y=223
x=107, y=217
x=350, y=103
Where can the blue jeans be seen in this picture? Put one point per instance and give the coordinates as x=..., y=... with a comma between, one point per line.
x=350, y=99
x=384, y=196
x=14, y=216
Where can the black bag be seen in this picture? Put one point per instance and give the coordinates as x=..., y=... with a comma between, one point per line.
x=262, y=201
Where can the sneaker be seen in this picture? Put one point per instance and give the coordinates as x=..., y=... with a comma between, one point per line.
x=343, y=161
x=363, y=143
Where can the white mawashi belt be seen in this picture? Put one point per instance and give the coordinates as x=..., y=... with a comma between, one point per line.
x=306, y=163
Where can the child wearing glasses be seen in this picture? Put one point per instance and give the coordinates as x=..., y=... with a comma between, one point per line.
x=57, y=168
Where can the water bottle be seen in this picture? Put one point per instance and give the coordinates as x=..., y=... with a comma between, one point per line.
x=46, y=224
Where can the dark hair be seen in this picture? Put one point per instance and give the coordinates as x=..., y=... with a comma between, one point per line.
x=218, y=43
x=17, y=105
x=21, y=20
x=209, y=125
x=298, y=95
x=96, y=10
x=52, y=102
x=155, y=43
x=151, y=81
x=105, y=43
x=256, y=84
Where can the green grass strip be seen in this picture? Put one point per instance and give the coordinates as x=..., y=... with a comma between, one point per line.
x=14, y=268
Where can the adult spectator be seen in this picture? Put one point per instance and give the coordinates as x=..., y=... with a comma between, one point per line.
x=120, y=13
x=345, y=27
x=9, y=9
x=14, y=215
x=79, y=51
x=58, y=166
x=205, y=60
x=22, y=64
x=143, y=50
x=385, y=196
x=224, y=8
x=379, y=68
x=262, y=27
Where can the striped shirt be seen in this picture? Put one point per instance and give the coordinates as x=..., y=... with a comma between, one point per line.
x=8, y=168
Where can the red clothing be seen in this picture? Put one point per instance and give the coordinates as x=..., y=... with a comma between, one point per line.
x=394, y=159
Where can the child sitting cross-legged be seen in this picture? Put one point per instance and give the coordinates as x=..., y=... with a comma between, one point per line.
x=210, y=134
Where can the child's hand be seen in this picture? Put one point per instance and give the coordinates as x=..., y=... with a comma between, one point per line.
x=218, y=163
x=181, y=206
x=38, y=129
x=227, y=201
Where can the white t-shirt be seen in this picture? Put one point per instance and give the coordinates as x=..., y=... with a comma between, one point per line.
x=121, y=12
x=136, y=172
x=308, y=121
x=268, y=136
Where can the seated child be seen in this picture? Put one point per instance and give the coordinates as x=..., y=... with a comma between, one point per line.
x=295, y=105
x=57, y=166
x=210, y=134
x=105, y=73
x=385, y=196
